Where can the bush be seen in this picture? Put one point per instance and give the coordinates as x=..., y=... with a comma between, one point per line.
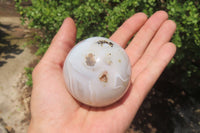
x=102, y=18
x=29, y=71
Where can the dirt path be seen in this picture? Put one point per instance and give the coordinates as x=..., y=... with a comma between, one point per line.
x=14, y=57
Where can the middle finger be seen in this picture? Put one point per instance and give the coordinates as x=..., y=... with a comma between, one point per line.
x=141, y=40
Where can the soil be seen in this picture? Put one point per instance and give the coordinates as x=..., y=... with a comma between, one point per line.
x=168, y=109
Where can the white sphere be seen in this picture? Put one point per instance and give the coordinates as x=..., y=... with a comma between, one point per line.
x=97, y=72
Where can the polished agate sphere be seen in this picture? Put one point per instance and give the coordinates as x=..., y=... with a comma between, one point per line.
x=97, y=72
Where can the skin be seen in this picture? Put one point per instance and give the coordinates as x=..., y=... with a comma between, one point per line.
x=54, y=110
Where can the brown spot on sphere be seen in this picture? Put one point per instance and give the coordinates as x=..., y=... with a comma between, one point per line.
x=101, y=42
x=103, y=77
x=90, y=60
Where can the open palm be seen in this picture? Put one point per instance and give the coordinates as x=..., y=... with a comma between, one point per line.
x=54, y=110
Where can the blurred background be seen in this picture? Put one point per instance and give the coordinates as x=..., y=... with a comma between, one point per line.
x=26, y=30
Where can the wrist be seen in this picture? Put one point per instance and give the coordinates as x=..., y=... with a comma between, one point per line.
x=43, y=127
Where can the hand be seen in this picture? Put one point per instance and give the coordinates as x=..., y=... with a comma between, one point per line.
x=54, y=110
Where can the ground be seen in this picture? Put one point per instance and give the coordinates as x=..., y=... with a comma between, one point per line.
x=167, y=109
x=14, y=57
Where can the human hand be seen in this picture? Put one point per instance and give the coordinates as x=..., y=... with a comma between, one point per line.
x=54, y=110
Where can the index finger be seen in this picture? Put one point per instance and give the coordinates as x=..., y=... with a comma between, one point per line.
x=126, y=31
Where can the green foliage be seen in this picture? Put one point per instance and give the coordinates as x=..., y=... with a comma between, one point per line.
x=187, y=38
x=103, y=17
x=29, y=71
